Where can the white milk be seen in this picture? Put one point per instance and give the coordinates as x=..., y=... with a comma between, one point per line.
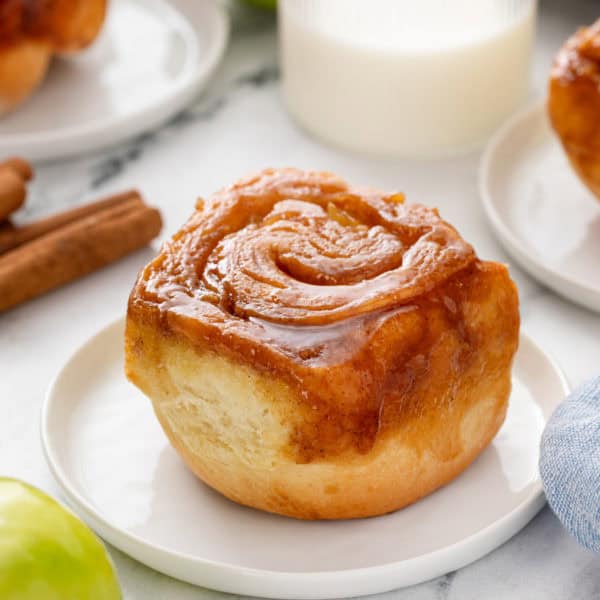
x=405, y=77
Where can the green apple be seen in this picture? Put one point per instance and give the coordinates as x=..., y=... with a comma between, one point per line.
x=47, y=553
x=268, y=4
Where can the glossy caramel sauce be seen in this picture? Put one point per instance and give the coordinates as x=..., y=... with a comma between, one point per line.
x=574, y=102
x=352, y=297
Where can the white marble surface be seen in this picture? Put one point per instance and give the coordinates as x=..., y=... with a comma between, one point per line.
x=239, y=126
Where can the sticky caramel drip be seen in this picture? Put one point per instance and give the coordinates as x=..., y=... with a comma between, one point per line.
x=302, y=248
x=580, y=56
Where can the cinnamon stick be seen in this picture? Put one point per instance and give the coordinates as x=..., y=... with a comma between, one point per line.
x=14, y=173
x=11, y=236
x=75, y=249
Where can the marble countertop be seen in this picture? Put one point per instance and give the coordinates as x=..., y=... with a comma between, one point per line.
x=240, y=125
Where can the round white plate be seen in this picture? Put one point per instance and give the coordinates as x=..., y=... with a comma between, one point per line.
x=117, y=469
x=149, y=62
x=542, y=213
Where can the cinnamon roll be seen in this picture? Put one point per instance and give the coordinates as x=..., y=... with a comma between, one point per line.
x=574, y=103
x=321, y=351
x=31, y=31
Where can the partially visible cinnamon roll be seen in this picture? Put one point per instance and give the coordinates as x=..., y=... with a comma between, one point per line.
x=574, y=103
x=31, y=31
x=321, y=351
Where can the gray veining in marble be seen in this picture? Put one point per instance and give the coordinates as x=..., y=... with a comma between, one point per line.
x=237, y=126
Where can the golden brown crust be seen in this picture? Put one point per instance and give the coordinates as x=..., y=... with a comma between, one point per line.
x=574, y=103
x=31, y=31
x=23, y=66
x=380, y=383
x=393, y=476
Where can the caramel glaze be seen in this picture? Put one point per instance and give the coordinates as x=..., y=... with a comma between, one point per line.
x=63, y=25
x=574, y=102
x=352, y=297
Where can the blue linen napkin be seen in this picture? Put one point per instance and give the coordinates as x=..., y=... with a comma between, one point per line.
x=570, y=464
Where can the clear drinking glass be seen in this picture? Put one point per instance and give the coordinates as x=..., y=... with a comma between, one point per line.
x=405, y=77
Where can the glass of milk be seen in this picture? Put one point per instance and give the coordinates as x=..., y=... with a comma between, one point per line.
x=418, y=78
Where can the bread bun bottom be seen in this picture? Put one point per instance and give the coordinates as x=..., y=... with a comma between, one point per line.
x=75, y=25
x=23, y=66
x=230, y=422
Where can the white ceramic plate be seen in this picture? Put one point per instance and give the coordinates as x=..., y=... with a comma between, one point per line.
x=150, y=60
x=541, y=212
x=117, y=469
